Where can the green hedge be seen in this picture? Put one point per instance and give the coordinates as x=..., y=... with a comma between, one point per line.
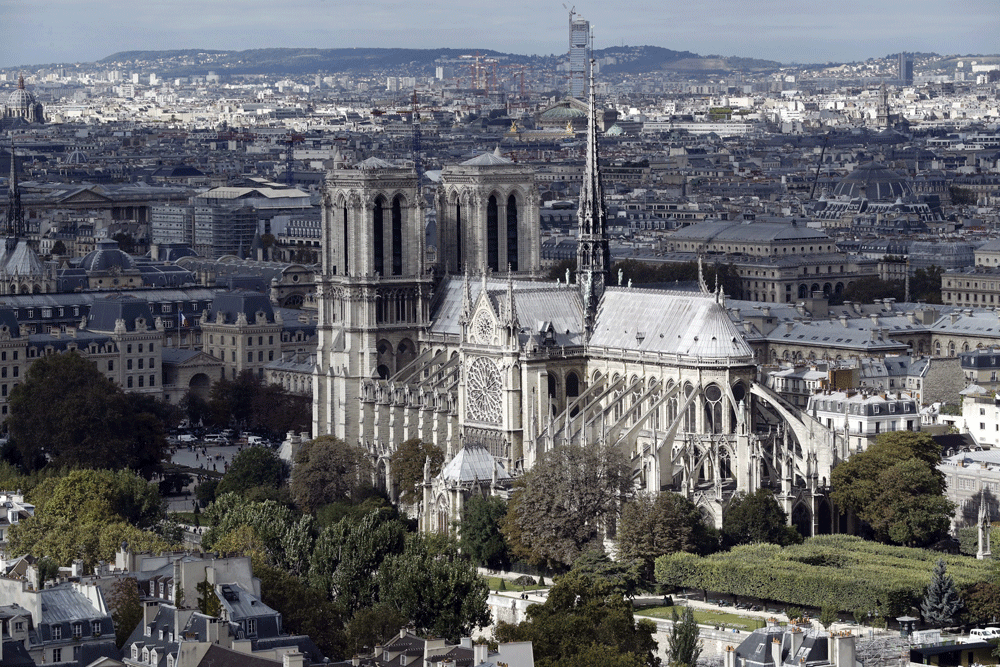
x=839, y=571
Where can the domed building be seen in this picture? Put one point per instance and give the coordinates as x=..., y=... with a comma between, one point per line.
x=110, y=267
x=573, y=113
x=875, y=182
x=21, y=104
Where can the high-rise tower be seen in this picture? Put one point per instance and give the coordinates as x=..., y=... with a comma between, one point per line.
x=593, y=254
x=904, y=67
x=579, y=53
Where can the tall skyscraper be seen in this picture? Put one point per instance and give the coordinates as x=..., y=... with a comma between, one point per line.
x=579, y=54
x=904, y=67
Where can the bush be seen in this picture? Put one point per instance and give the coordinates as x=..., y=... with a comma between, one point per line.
x=839, y=571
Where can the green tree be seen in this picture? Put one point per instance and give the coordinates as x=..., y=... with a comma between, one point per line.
x=624, y=575
x=277, y=411
x=326, y=470
x=941, y=602
x=208, y=601
x=408, y=467
x=896, y=488
x=304, y=610
x=584, y=616
x=652, y=527
x=268, y=520
x=373, y=626
x=757, y=517
x=87, y=514
x=564, y=502
x=67, y=413
x=982, y=603
x=683, y=643
x=482, y=539
x=347, y=557
x=232, y=401
x=827, y=616
x=195, y=407
x=437, y=590
x=126, y=608
x=253, y=468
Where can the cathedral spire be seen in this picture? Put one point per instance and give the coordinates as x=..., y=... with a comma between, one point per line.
x=15, y=213
x=593, y=254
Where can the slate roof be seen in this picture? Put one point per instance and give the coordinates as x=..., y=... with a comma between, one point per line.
x=680, y=323
x=105, y=312
x=739, y=231
x=217, y=656
x=231, y=304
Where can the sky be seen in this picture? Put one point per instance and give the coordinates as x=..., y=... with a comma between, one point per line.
x=789, y=31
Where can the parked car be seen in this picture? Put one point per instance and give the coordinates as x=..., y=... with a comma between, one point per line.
x=215, y=439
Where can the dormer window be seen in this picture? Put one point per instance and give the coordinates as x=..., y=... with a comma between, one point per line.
x=56, y=632
x=95, y=628
x=135, y=651
x=145, y=655
x=77, y=630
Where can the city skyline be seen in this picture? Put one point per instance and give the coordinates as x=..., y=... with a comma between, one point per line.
x=64, y=31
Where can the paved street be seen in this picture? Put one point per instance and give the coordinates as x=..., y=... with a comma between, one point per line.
x=208, y=457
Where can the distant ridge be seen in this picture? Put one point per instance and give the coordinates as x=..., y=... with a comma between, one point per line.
x=626, y=59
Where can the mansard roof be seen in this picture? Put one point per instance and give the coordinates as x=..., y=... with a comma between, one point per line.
x=105, y=313
x=746, y=231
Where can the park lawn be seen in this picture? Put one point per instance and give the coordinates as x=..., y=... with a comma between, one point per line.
x=494, y=583
x=704, y=617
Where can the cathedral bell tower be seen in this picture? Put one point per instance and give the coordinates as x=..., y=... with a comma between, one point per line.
x=374, y=291
x=488, y=217
x=593, y=254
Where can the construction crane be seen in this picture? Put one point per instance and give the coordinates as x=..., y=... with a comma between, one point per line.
x=289, y=140
x=819, y=164
x=518, y=72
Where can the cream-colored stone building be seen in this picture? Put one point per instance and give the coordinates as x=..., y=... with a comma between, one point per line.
x=495, y=363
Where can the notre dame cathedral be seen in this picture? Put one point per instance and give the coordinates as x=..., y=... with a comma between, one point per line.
x=480, y=356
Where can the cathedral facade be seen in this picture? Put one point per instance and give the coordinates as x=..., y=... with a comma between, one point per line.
x=495, y=366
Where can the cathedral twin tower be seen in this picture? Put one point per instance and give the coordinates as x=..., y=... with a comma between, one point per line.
x=376, y=290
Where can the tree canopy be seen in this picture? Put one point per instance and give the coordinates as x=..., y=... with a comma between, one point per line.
x=652, y=527
x=87, y=514
x=436, y=589
x=326, y=470
x=408, y=467
x=482, y=539
x=584, y=621
x=757, y=517
x=249, y=403
x=564, y=501
x=68, y=414
x=253, y=468
x=896, y=488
